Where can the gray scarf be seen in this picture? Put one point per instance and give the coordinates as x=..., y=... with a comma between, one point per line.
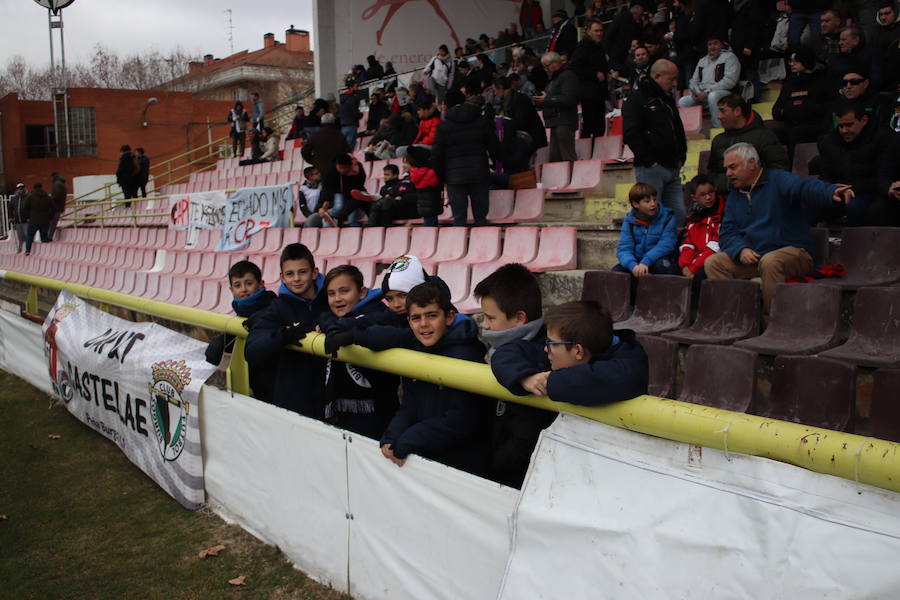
x=527, y=331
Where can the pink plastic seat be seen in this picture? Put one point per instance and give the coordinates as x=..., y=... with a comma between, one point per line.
x=396, y=243
x=193, y=293
x=328, y=242
x=555, y=176
x=529, y=206
x=456, y=276
x=470, y=304
x=608, y=148
x=584, y=148
x=558, y=250
x=587, y=175
x=271, y=270
x=691, y=118
x=451, y=246
x=423, y=242
x=372, y=242
x=309, y=237
x=348, y=241
x=484, y=245
x=209, y=294
x=501, y=205
x=520, y=244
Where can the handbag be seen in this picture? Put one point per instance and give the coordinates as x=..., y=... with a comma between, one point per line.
x=525, y=180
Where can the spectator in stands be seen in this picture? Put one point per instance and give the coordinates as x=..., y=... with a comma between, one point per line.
x=403, y=274
x=462, y=145
x=296, y=131
x=589, y=63
x=358, y=74
x=349, y=113
x=856, y=86
x=375, y=70
x=772, y=241
x=523, y=130
x=465, y=80
x=826, y=45
x=357, y=399
x=251, y=298
x=429, y=118
x=742, y=124
x=887, y=33
x=144, y=174
x=485, y=71
x=805, y=13
x=386, y=207
x=508, y=36
x=850, y=153
x=257, y=116
x=701, y=232
x=437, y=422
x=389, y=69
x=237, y=116
x=560, y=104
x=268, y=149
x=857, y=57
x=472, y=47
x=378, y=111
x=563, y=35
x=313, y=120
x=419, y=95
x=714, y=78
x=58, y=195
x=521, y=84
x=395, y=132
x=18, y=218
x=324, y=145
x=298, y=376
x=885, y=211
x=648, y=239
x=803, y=102
x=426, y=188
x=126, y=173
x=336, y=202
x=308, y=195
x=747, y=31
x=591, y=364
x=626, y=26
x=440, y=71
x=513, y=329
x=403, y=103
x=654, y=132
x=38, y=208
x=530, y=17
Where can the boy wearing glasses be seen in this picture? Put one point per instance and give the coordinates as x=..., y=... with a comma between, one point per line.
x=701, y=233
x=590, y=364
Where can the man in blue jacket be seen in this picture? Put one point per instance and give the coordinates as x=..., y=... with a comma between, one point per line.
x=765, y=231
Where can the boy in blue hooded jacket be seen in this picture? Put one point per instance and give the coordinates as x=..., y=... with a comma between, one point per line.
x=298, y=377
x=357, y=399
x=648, y=239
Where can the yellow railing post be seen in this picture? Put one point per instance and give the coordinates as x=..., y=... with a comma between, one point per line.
x=238, y=375
x=31, y=300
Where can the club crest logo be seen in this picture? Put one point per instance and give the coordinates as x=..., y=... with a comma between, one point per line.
x=401, y=263
x=169, y=410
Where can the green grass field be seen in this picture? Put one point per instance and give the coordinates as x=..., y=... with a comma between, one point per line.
x=83, y=522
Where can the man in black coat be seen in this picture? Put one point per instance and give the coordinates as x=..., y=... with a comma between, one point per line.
x=560, y=104
x=462, y=144
x=523, y=130
x=885, y=210
x=626, y=26
x=563, y=36
x=802, y=105
x=653, y=130
x=589, y=63
x=126, y=173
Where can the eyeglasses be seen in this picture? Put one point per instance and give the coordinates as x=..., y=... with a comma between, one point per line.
x=853, y=81
x=706, y=195
x=549, y=342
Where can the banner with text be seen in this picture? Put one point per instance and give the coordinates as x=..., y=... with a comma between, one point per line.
x=135, y=383
x=250, y=210
x=202, y=210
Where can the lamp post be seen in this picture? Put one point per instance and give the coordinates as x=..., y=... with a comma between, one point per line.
x=150, y=102
x=60, y=96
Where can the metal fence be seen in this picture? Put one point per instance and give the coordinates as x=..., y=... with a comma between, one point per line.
x=5, y=229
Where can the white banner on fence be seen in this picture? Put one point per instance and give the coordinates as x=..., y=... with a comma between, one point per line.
x=201, y=210
x=250, y=210
x=135, y=383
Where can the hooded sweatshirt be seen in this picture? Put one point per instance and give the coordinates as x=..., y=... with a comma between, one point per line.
x=644, y=240
x=701, y=235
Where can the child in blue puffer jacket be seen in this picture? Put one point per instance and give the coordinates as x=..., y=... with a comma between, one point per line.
x=648, y=239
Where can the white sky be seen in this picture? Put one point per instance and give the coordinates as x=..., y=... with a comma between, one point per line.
x=128, y=26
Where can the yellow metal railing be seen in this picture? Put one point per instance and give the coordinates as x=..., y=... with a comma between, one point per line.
x=864, y=460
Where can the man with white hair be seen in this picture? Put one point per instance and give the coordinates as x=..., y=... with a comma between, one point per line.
x=765, y=232
x=560, y=104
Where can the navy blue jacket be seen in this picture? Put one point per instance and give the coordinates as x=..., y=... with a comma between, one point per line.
x=772, y=215
x=619, y=373
x=348, y=110
x=299, y=376
x=437, y=422
x=646, y=243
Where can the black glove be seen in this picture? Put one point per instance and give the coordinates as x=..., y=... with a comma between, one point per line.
x=291, y=334
x=338, y=339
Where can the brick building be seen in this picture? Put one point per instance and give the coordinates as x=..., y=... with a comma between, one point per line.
x=100, y=121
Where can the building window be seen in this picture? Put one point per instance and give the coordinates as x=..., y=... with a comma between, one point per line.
x=40, y=141
x=82, y=130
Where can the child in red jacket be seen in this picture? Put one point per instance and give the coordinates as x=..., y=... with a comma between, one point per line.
x=701, y=232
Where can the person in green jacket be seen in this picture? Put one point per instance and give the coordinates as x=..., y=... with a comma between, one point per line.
x=39, y=209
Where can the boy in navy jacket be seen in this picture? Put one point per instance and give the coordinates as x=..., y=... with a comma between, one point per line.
x=513, y=328
x=590, y=364
x=251, y=298
x=298, y=379
x=648, y=239
x=358, y=399
x=437, y=422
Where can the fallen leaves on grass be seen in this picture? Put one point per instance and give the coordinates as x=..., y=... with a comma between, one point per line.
x=237, y=580
x=54, y=437
x=213, y=551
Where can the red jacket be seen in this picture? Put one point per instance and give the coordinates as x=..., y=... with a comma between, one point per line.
x=427, y=129
x=537, y=16
x=701, y=236
x=424, y=177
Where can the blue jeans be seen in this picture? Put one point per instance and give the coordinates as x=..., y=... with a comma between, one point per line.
x=797, y=22
x=344, y=208
x=349, y=133
x=667, y=183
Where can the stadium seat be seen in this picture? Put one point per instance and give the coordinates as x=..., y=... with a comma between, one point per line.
x=875, y=332
x=271, y=270
x=584, y=148
x=451, y=246
x=803, y=319
x=558, y=250
x=555, y=175
x=662, y=355
x=308, y=236
x=484, y=245
x=193, y=293
x=349, y=240
x=691, y=118
x=456, y=276
x=396, y=243
x=870, y=255
x=703, y=162
x=884, y=415
x=821, y=254
x=810, y=390
x=372, y=242
x=662, y=303
x=611, y=289
x=519, y=245
x=328, y=242
x=803, y=153
x=471, y=304
x=529, y=206
x=729, y=310
x=587, y=175
x=209, y=295
x=720, y=376
x=501, y=205
x=367, y=268
x=423, y=241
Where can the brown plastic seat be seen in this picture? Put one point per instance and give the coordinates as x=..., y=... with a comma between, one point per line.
x=663, y=303
x=870, y=255
x=884, y=416
x=875, y=333
x=663, y=358
x=813, y=391
x=804, y=319
x=821, y=255
x=611, y=289
x=728, y=311
x=803, y=153
x=720, y=376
